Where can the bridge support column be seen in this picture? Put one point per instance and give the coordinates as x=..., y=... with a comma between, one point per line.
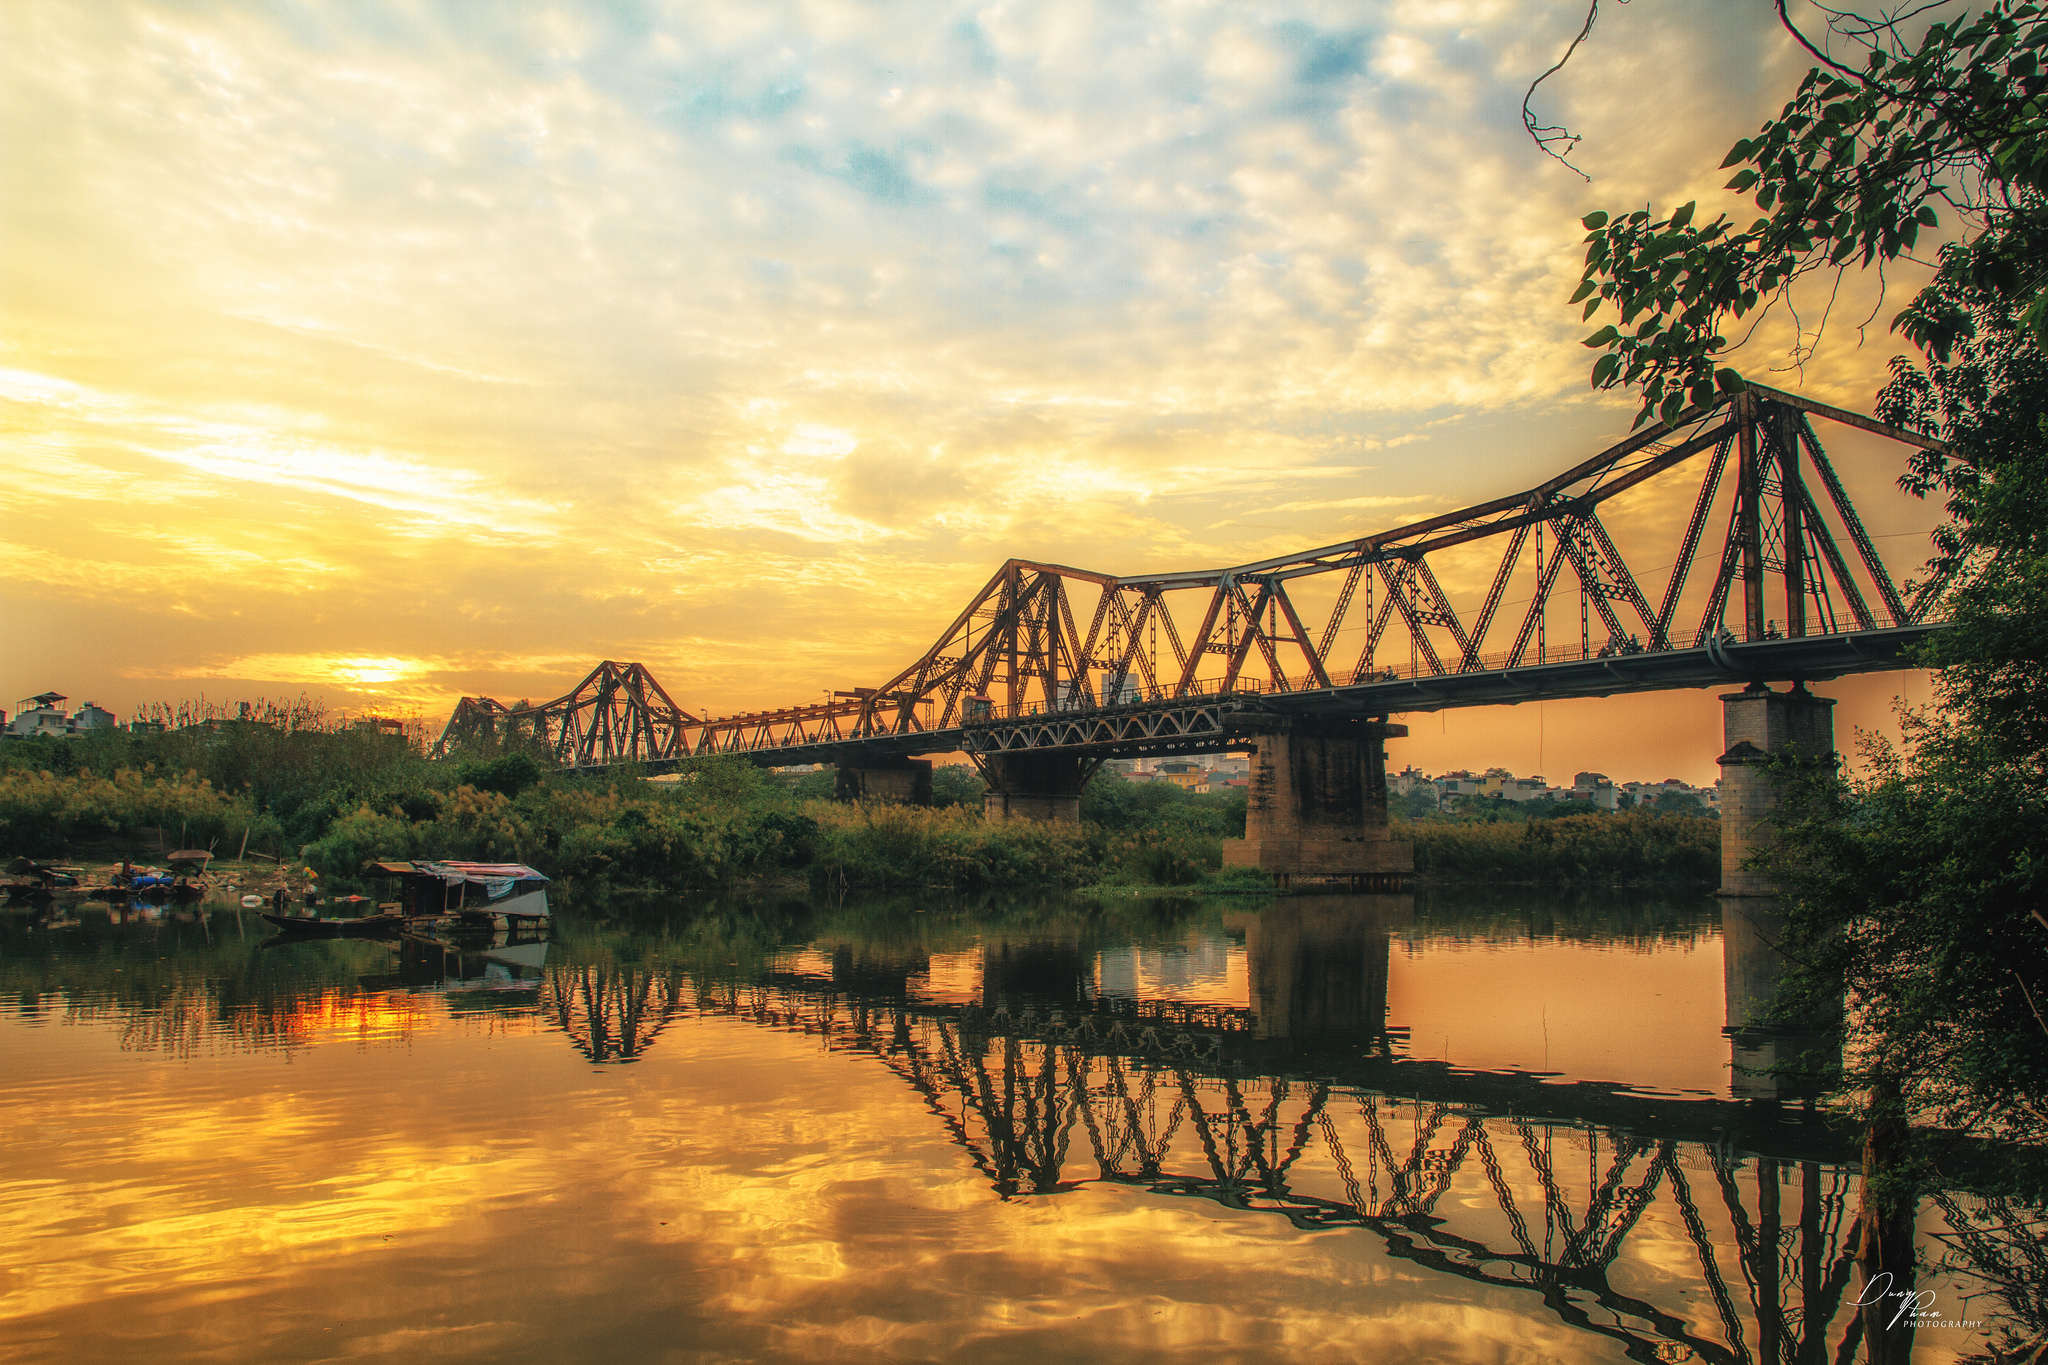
x=898, y=781
x=1035, y=786
x=1761, y=726
x=1318, y=803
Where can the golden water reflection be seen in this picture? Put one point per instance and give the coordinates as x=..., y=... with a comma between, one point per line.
x=833, y=1139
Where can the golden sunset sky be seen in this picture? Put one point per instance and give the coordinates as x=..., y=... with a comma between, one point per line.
x=392, y=353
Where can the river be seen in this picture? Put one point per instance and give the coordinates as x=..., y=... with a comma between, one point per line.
x=1449, y=1126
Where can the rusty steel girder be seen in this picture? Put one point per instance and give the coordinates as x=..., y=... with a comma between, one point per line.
x=617, y=714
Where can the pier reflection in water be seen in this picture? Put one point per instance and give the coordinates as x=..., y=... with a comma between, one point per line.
x=1250, y=1062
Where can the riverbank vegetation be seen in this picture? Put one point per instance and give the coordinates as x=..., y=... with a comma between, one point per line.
x=335, y=797
x=1633, y=847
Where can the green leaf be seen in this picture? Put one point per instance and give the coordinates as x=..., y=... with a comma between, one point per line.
x=1684, y=215
x=1739, y=152
x=1585, y=287
x=1596, y=219
x=1603, y=371
x=1605, y=336
x=1728, y=381
x=1743, y=181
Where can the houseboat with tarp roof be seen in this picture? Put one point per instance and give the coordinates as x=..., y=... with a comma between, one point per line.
x=503, y=895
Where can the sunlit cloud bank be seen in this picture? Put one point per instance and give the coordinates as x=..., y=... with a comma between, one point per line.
x=745, y=340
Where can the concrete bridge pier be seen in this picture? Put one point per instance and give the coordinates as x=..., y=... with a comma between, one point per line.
x=898, y=781
x=1318, y=803
x=1035, y=786
x=1763, y=727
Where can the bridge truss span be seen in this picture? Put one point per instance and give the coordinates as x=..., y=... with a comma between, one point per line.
x=1773, y=574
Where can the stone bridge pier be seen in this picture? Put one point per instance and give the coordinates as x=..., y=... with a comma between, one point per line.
x=1763, y=729
x=1318, y=803
x=898, y=781
x=1036, y=786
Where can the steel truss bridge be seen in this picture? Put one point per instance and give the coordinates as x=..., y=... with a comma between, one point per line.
x=1442, y=1170
x=1773, y=576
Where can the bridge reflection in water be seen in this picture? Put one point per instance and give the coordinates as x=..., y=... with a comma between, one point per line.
x=1301, y=1106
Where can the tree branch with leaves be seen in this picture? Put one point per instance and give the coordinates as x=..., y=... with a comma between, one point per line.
x=1855, y=170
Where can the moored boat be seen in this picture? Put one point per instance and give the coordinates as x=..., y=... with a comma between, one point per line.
x=365, y=926
x=502, y=895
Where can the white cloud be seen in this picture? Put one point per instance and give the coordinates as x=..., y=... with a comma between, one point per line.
x=915, y=286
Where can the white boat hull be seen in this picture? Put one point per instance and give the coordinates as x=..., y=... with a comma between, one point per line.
x=529, y=907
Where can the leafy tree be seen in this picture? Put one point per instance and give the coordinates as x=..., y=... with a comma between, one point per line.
x=507, y=775
x=957, y=784
x=1419, y=804
x=1920, y=892
x=1857, y=167
x=1678, y=803
x=1921, y=879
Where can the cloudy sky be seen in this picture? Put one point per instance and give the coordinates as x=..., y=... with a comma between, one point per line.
x=396, y=352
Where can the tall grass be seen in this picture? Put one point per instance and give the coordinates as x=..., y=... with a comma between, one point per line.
x=1633, y=846
x=878, y=847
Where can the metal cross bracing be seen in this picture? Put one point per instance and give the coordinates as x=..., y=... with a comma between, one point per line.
x=1045, y=1101
x=1775, y=575
x=617, y=714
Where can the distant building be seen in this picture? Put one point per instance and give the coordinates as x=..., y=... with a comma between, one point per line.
x=93, y=716
x=1504, y=785
x=1459, y=783
x=43, y=714
x=1121, y=691
x=1597, y=790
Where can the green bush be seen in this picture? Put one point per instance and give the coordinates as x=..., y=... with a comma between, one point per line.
x=507, y=774
x=42, y=814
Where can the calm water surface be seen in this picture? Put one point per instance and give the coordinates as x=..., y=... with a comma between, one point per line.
x=1473, y=1127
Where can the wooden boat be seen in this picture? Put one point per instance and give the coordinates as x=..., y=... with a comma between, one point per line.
x=36, y=881
x=366, y=926
x=494, y=895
